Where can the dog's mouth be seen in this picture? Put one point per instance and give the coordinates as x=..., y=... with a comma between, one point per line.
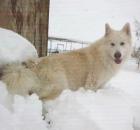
x=118, y=61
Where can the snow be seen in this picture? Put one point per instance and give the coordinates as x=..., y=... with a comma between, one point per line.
x=20, y=113
x=109, y=108
x=14, y=47
x=104, y=110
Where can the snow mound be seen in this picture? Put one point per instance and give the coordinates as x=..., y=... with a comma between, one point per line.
x=20, y=113
x=104, y=110
x=129, y=83
x=14, y=47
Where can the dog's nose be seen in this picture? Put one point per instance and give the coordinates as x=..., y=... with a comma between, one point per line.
x=117, y=55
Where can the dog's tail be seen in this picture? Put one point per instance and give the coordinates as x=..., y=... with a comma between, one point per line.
x=19, y=79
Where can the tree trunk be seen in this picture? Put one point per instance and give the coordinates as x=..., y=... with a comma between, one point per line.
x=30, y=18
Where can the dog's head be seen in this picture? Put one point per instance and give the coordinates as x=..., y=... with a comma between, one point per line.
x=118, y=43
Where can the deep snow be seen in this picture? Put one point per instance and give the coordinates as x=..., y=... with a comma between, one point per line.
x=20, y=113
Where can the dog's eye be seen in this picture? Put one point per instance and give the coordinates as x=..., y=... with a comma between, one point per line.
x=112, y=44
x=122, y=43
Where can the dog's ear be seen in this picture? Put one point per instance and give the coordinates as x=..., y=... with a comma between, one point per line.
x=107, y=29
x=126, y=29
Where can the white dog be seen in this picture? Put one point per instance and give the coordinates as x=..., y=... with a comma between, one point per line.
x=89, y=67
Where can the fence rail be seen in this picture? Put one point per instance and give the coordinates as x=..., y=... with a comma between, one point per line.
x=59, y=45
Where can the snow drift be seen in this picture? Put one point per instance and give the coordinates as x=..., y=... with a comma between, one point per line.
x=104, y=110
x=20, y=113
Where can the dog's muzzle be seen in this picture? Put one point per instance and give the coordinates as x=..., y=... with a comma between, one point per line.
x=117, y=57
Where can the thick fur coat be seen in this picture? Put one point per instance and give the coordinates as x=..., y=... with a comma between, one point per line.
x=89, y=67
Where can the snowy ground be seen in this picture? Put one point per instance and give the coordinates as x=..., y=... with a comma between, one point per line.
x=115, y=107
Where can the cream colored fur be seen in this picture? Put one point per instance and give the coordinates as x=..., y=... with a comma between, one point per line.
x=90, y=67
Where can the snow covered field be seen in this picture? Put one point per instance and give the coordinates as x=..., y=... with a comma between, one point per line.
x=115, y=107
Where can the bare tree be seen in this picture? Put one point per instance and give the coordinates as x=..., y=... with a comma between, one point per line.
x=137, y=42
x=30, y=18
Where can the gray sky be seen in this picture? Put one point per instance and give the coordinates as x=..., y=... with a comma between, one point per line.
x=85, y=19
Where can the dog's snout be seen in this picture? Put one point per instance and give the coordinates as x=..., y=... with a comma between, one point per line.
x=117, y=55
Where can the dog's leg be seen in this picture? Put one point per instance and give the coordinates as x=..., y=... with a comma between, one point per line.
x=91, y=82
x=54, y=83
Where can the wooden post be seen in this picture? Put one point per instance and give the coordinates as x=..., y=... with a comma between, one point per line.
x=30, y=18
